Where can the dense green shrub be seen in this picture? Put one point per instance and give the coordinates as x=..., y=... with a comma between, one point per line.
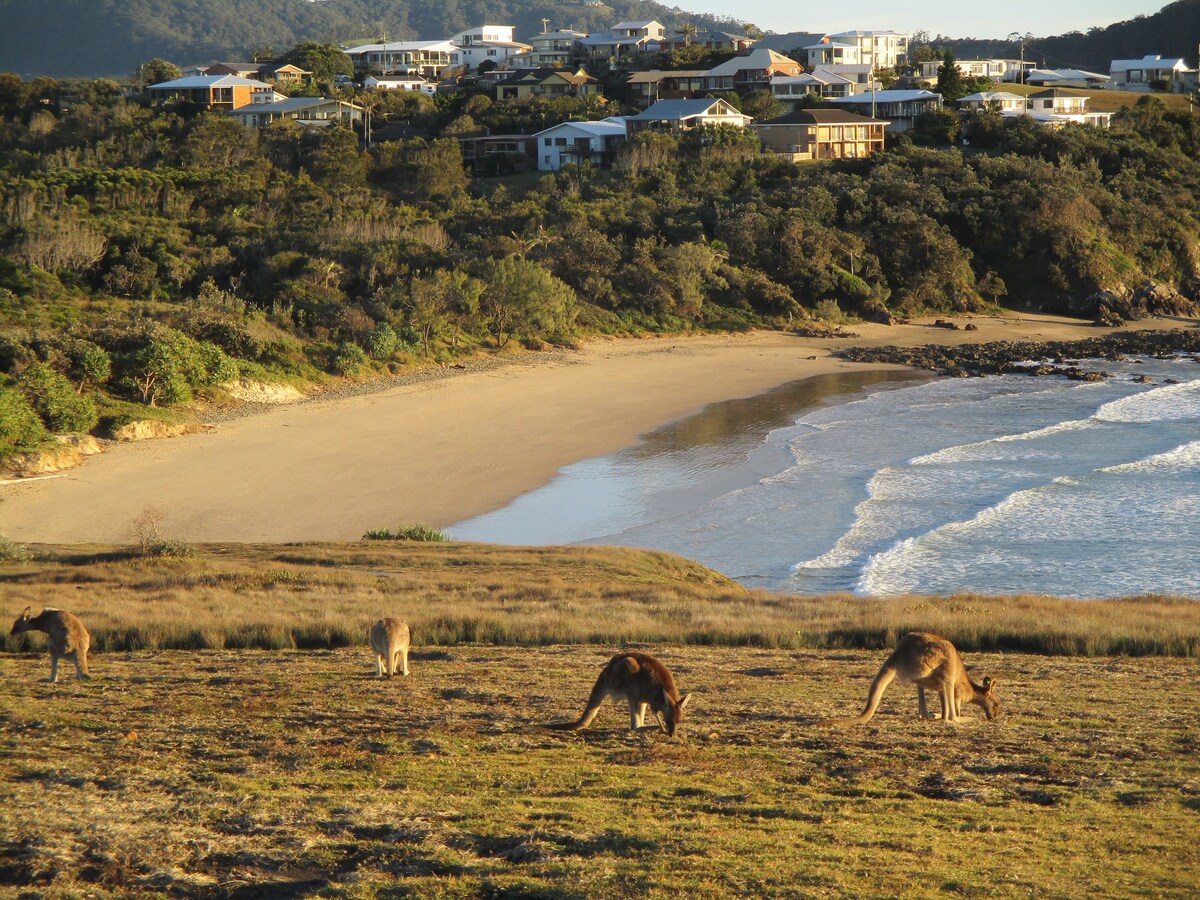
x=348, y=358
x=21, y=428
x=53, y=398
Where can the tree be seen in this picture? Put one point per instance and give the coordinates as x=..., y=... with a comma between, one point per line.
x=156, y=71
x=323, y=60
x=688, y=30
x=523, y=298
x=950, y=80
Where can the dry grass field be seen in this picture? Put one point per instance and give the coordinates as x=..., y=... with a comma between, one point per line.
x=214, y=771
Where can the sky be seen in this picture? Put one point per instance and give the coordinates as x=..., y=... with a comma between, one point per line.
x=952, y=18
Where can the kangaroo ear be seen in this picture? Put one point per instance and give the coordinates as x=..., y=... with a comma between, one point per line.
x=683, y=702
x=25, y=614
x=988, y=684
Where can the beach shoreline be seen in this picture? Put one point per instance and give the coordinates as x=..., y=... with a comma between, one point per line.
x=444, y=449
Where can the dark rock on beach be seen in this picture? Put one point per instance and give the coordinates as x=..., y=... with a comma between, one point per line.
x=1032, y=357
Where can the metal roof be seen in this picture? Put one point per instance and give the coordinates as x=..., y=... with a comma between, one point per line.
x=206, y=81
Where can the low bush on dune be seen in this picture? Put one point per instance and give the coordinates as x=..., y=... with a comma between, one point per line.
x=416, y=532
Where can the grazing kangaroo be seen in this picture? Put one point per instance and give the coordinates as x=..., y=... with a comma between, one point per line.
x=390, y=641
x=928, y=661
x=68, y=638
x=645, y=683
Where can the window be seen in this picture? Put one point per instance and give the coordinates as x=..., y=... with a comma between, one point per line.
x=546, y=141
x=560, y=142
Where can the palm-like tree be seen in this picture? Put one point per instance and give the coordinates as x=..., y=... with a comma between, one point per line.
x=688, y=31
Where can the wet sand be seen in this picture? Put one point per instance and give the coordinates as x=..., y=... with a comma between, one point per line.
x=437, y=451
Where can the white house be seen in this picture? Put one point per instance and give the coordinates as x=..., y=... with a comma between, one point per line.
x=832, y=53
x=427, y=58
x=823, y=81
x=499, y=52
x=900, y=108
x=550, y=48
x=682, y=115
x=1055, y=107
x=1140, y=74
x=881, y=49
x=579, y=142
x=399, y=83
x=483, y=34
x=998, y=101
x=1009, y=70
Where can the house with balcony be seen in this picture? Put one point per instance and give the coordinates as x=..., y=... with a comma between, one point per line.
x=1056, y=107
x=429, y=59
x=551, y=49
x=547, y=82
x=483, y=34
x=284, y=74
x=821, y=134
x=832, y=53
x=879, y=49
x=223, y=92
x=399, y=83
x=707, y=40
x=678, y=116
x=580, y=142
x=1000, y=70
x=900, y=109
x=499, y=53
x=996, y=101
x=825, y=82
x=317, y=112
x=644, y=89
x=499, y=154
x=1152, y=73
x=752, y=72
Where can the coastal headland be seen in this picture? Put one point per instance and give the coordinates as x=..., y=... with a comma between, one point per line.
x=444, y=449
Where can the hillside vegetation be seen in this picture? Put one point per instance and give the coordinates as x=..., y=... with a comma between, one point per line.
x=113, y=37
x=208, y=772
x=150, y=256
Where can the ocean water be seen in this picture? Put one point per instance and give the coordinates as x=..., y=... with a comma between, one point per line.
x=883, y=486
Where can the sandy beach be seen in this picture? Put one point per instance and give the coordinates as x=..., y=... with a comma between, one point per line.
x=437, y=451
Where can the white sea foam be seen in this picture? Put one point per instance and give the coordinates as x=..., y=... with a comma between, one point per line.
x=1184, y=458
x=1172, y=402
x=972, y=451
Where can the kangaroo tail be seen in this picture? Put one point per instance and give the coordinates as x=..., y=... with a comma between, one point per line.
x=878, y=686
x=599, y=693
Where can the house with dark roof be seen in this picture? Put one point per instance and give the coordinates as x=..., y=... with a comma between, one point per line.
x=643, y=89
x=708, y=40
x=240, y=69
x=822, y=134
x=677, y=116
x=284, y=73
x=550, y=48
x=547, y=83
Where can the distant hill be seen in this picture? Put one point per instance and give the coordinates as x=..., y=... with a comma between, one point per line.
x=112, y=37
x=1172, y=31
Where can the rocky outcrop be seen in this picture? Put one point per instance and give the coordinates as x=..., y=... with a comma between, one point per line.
x=248, y=391
x=144, y=429
x=1031, y=357
x=1152, y=299
x=66, y=452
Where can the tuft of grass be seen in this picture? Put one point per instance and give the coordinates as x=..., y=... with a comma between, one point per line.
x=417, y=532
x=12, y=552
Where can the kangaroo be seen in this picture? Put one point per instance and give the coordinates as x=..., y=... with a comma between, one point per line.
x=645, y=683
x=928, y=661
x=68, y=638
x=390, y=641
